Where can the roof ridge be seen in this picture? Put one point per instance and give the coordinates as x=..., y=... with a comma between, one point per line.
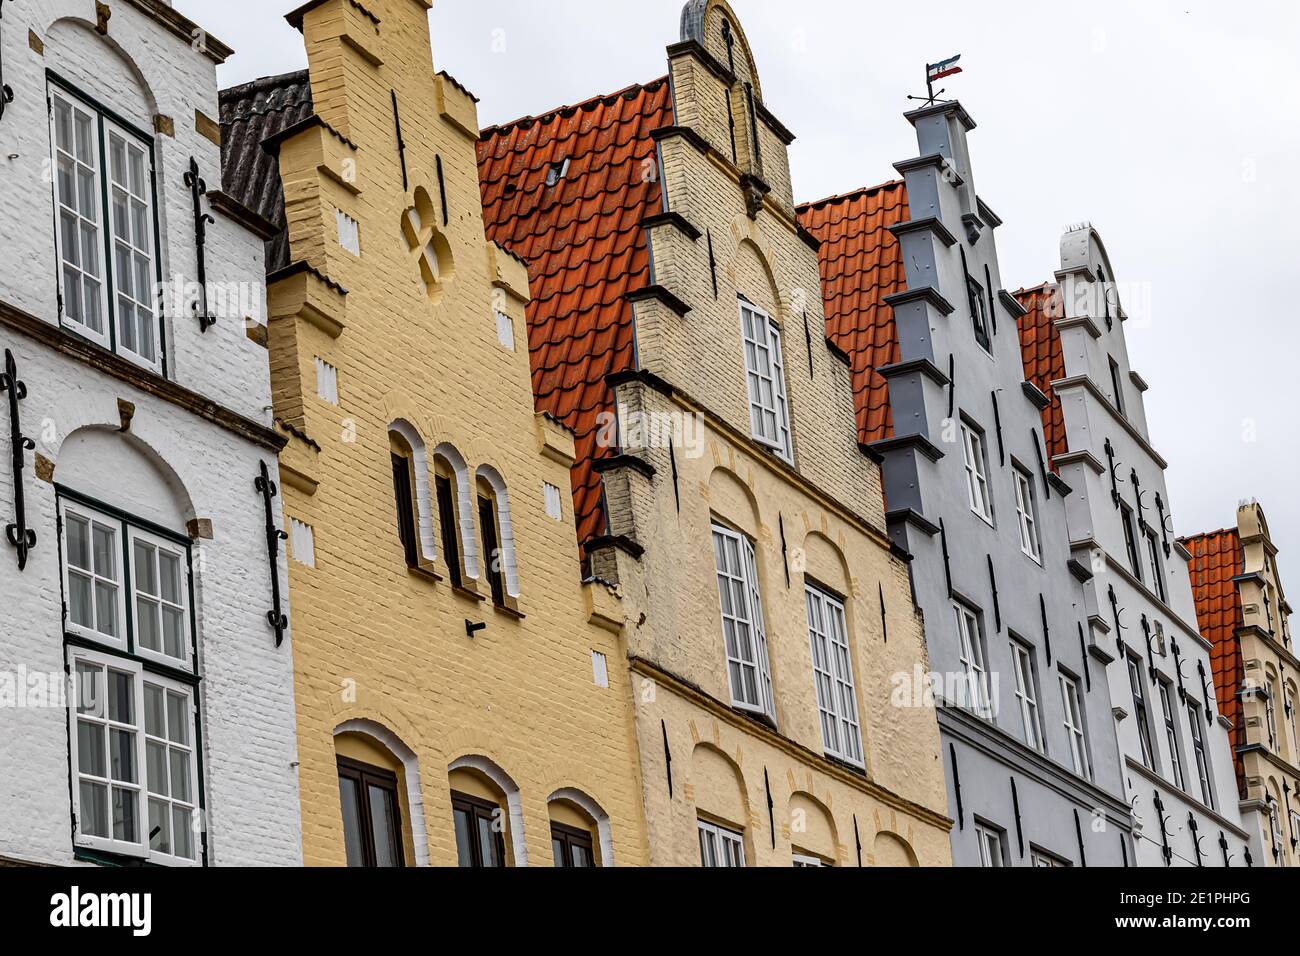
x=603, y=99
x=854, y=194
x=292, y=78
x=1208, y=534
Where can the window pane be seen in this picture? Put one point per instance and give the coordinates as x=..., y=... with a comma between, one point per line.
x=183, y=831
x=557, y=852
x=78, y=532
x=580, y=856
x=105, y=552
x=487, y=842
x=155, y=757
x=90, y=689
x=351, y=821
x=464, y=838
x=90, y=749
x=160, y=826
x=154, y=721
x=92, y=817
x=383, y=821
x=122, y=755
x=180, y=774
x=79, y=600
x=121, y=697
x=125, y=805
x=178, y=724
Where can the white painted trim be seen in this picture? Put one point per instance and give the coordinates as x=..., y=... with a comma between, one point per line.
x=423, y=497
x=411, y=766
x=514, y=803
x=593, y=810
x=509, y=559
x=464, y=506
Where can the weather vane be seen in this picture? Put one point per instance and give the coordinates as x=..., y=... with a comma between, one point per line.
x=937, y=71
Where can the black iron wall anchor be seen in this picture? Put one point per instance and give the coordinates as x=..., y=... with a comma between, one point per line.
x=6, y=93
x=1114, y=476
x=1164, y=524
x=198, y=189
x=268, y=490
x=19, y=535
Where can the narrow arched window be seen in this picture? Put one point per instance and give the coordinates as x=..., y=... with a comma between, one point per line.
x=403, y=459
x=495, y=527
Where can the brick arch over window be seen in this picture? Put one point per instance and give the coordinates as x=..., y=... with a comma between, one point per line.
x=812, y=826
x=119, y=469
x=720, y=791
x=509, y=789
x=103, y=67
x=411, y=767
x=824, y=562
x=733, y=500
x=422, y=493
x=593, y=810
x=890, y=849
x=505, y=528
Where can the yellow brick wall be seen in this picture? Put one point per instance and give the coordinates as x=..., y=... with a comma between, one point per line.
x=376, y=646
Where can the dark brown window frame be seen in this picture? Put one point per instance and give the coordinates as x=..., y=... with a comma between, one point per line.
x=478, y=809
x=449, y=525
x=571, y=837
x=404, y=496
x=492, y=555
x=366, y=775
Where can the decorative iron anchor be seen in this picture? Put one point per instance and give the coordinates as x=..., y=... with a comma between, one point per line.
x=267, y=488
x=19, y=535
x=6, y=92
x=198, y=189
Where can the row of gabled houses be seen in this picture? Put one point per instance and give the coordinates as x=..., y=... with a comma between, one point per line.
x=390, y=491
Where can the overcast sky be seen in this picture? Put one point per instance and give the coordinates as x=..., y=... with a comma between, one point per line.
x=1173, y=127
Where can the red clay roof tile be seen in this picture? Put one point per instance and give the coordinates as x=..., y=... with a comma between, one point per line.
x=862, y=263
x=582, y=240
x=1040, y=347
x=1216, y=560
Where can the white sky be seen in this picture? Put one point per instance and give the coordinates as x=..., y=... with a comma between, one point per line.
x=1172, y=127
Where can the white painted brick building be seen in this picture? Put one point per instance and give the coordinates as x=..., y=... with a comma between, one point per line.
x=150, y=577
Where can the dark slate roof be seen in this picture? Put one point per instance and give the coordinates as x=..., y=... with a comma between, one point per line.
x=250, y=174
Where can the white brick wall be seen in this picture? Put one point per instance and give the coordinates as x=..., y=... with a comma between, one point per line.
x=246, y=696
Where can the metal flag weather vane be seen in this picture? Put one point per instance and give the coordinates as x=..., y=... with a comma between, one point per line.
x=937, y=71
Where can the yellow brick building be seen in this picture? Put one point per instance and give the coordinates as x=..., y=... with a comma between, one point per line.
x=452, y=706
x=676, y=326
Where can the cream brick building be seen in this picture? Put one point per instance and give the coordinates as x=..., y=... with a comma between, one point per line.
x=451, y=706
x=1243, y=611
x=676, y=325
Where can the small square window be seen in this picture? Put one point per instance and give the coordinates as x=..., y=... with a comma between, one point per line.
x=349, y=232
x=505, y=330
x=302, y=542
x=554, y=503
x=327, y=381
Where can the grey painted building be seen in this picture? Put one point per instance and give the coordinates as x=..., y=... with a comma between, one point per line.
x=1029, y=745
x=1175, y=743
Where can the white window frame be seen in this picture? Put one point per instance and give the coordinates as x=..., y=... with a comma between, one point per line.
x=1138, y=688
x=69, y=509
x=1171, y=734
x=991, y=846
x=974, y=454
x=970, y=633
x=1027, y=514
x=1075, y=731
x=765, y=366
x=1022, y=661
x=832, y=661
x=747, y=613
x=1199, y=753
x=140, y=676
x=805, y=861
x=181, y=553
x=1270, y=714
x=719, y=845
x=1044, y=860
x=104, y=125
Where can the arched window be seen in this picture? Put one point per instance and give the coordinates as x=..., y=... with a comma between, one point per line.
x=487, y=814
x=579, y=830
x=411, y=496
x=375, y=792
x=455, y=515
x=499, y=560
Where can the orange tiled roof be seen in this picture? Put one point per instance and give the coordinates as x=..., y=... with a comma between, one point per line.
x=862, y=263
x=1040, y=349
x=585, y=248
x=1216, y=560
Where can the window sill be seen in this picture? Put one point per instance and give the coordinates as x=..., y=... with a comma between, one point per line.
x=510, y=608
x=426, y=571
x=468, y=592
